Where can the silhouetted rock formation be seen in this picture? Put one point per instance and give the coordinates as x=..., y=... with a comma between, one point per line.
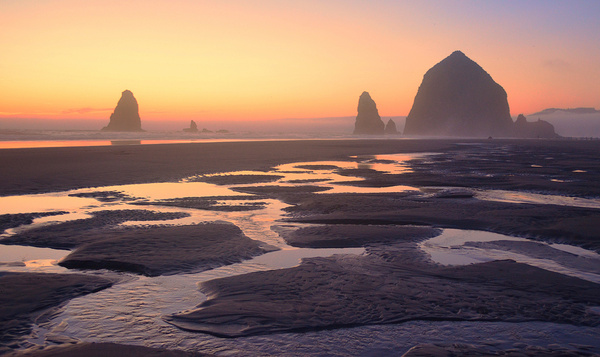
x=368, y=120
x=458, y=98
x=126, y=116
x=536, y=129
x=390, y=127
x=192, y=129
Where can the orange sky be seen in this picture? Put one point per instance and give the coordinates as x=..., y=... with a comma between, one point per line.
x=262, y=59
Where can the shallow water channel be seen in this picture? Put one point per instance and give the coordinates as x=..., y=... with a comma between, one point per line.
x=131, y=311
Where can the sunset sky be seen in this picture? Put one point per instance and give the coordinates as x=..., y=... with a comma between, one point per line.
x=267, y=59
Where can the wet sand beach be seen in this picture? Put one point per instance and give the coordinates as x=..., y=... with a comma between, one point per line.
x=516, y=220
x=53, y=169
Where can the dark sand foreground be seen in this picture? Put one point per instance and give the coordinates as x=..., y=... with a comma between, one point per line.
x=102, y=350
x=389, y=287
x=25, y=296
x=393, y=283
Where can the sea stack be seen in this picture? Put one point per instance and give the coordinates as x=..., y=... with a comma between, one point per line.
x=535, y=129
x=390, y=128
x=193, y=127
x=459, y=98
x=368, y=120
x=126, y=116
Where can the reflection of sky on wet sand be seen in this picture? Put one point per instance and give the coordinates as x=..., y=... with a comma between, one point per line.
x=255, y=223
x=131, y=312
x=288, y=258
x=19, y=144
x=355, y=189
x=576, y=250
x=325, y=173
x=529, y=197
x=449, y=249
x=167, y=190
x=50, y=202
x=48, y=220
x=15, y=253
x=81, y=204
x=31, y=259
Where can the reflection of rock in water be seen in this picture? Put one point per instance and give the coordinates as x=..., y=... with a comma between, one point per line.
x=125, y=142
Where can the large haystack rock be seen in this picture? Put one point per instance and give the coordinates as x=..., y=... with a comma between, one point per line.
x=126, y=116
x=390, y=127
x=535, y=129
x=458, y=98
x=368, y=120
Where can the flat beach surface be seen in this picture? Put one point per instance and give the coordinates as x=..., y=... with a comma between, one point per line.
x=53, y=169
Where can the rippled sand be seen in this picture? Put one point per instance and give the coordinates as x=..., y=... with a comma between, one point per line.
x=318, y=199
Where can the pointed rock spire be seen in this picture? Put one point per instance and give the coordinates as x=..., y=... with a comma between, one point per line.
x=368, y=120
x=126, y=116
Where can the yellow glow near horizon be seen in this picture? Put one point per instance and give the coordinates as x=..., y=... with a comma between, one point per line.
x=269, y=59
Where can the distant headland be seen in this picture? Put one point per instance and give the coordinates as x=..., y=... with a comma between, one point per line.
x=581, y=110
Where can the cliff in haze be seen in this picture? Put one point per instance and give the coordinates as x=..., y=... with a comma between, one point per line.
x=535, y=129
x=581, y=110
x=368, y=120
x=573, y=122
x=126, y=116
x=390, y=127
x=458, y=98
